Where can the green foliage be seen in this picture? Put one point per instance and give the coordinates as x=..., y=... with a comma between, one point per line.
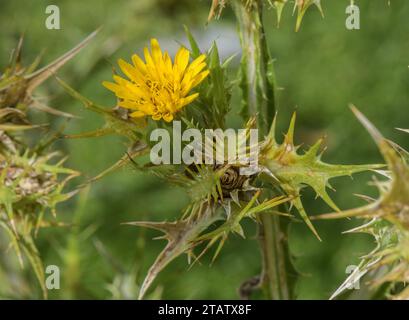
x=388, y=221
x=117, y=120
x=300, y=6
x=115, y=266
x=31, y=184
x=292, y=171
x=212, y=106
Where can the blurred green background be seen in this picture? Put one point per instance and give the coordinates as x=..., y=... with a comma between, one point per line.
x=321, y=69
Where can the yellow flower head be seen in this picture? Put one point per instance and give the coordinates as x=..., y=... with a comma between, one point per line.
x=158, y=87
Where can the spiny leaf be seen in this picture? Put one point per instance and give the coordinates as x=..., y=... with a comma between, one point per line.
x=42, y=107
x=216, y=9
x=194, y=47
x=386, y=263
x=279, y=6
x=232, y=223
x=389, y=222
x=114, y=123
x=18, y=127
x=139, y=149
x=38, y=77
x=394, y=198
x=301, y=6
x=293, y=170
x=14, y=240
x=34, y=257
x=5, y=112
x=85, y=101
x=204, y=184
x=181, y=237
x=90, y=134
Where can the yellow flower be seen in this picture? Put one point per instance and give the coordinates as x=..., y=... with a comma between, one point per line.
x=158, y=87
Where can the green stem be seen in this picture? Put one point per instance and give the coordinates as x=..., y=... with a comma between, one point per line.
x=259, y=100
x=258, y=84
x=274, y=277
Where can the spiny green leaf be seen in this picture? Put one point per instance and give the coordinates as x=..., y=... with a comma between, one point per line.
x=279, y=6
x=394, y=198
x=14, y=240
x=85, y=101
x=232, y=223
x=194, y=48
x=294, y=170
x=113, y=122
x=34, y=257
x=302, y=6
x=135, y=151
x=17, y=127
x=181, y=237
x=38, y=77
x=389, y=222
x=42, y=107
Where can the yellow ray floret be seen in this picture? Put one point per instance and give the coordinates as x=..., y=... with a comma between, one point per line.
x=158, y=87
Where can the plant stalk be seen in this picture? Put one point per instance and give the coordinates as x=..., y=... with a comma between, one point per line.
x=259, y=101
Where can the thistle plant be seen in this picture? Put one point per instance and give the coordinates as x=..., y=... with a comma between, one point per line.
x=195, y=89
x=385, y=268
x=32, y=176
x=158, y=97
